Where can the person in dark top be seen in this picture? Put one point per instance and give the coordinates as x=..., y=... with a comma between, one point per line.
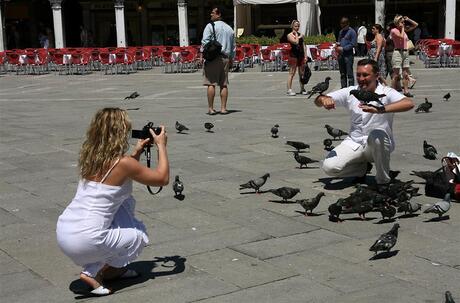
x=296, y=57
x=344, y=49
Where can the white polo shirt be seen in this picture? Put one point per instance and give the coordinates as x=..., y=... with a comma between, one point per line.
x=361, y=122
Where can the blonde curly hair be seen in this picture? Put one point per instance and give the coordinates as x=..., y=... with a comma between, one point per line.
x=106, y=140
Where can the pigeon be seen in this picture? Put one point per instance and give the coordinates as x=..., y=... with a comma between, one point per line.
x=256, y=183
x=387, y=211
x=298, y=145
x=335, y=209
x=423, y=174
x=320, y=87
x=368, y=98
x=180, y=127
x=285, y=192
x=274, y=131
x=178, y=186
x=447, y=97
x=208, y=126
x=440, y=207
x=409, y=207
x=386, y=241
x=310, y=204
x=328, y=144
x=335, y=132
x=425, y=107
x=361, y=208
x=429, y=151
x=393, y=174
x=302, y=160
x=133, y=96
x=449, y=298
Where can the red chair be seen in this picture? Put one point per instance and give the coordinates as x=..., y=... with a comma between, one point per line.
x=106, y=62
x=3, y=61
x=168, y=62
x=432, y=56
x=15, y=61
x=80, y=63
x=187, y=61
x=454, y=56
x=124, y=60
x=238, y=61
x=267, y=62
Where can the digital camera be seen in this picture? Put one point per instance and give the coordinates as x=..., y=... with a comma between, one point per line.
x=144, y=133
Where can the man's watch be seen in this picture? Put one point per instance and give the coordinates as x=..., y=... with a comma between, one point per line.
x=381, y=109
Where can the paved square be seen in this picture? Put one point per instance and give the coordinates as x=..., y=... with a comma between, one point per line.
x=218, y=245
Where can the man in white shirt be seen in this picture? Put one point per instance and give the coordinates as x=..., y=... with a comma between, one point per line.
x=216, y=71
x=371, y=134
x=361, y=40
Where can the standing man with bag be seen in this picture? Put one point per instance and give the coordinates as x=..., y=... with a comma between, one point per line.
x=217, y=63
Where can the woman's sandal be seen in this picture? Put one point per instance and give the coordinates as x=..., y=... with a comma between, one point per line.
x=101, y=291
x=129, y=274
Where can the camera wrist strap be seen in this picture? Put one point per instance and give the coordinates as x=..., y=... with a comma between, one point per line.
x=149, y=157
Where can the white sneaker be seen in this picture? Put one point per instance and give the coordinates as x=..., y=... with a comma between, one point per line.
x=303, y=92
x=290, y=92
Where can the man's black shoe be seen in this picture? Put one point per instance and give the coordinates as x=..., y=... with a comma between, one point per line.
x=359, y=180
x=369, y=167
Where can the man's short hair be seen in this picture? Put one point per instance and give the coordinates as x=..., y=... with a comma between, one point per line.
x=219, y=9
x=345, y=20
x=373, y=63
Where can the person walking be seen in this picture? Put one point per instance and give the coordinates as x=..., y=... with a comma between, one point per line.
x=361, y=40
x=344, y=49
x=377, y=51
x=296, y=57
x=215, y=72
x=371, y=131
x=400, y=59
x=98, y=229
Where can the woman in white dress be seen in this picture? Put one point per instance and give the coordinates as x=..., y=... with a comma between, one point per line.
x=98, y=230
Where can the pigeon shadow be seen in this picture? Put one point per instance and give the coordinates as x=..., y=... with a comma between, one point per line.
x=359, y=219
x=428, y=158
x=135, y=108
x=282, y=201
x=300, y=151
x=408, y=216
x=438, y=219
x=230, y=111
x=180, y=197
x=383, y=221
x=384, y=255
x=145, y=270
x=182, y=133
x=249, y=193
x=308, y=214
x=335, y=219
x=329, y=185
x=306, y=167
x=210, y=131
x=274, y=137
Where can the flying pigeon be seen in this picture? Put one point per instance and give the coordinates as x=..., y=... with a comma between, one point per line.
x=302, y=160
x=429, y=151
x=133, y=96
x=256, y=183
x=409, y=207
x=368, y=98
x=285, y=192
x=386, y=241
x=447, y=97
x=440, y=207
x=310, y=204
x=180, y=127
x=178, y=186
x=274, y=131
x=328, y=144
x=320, y=88
x=298, y=145
x=208, y=126
x=449, y=298
x=425, y=107
x=335, y=132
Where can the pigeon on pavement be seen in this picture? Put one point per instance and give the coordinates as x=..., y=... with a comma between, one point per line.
x=285, y=192
x=319, y=88
x=409, y=207
x=298, y=145
x=425, y=107
x=255, y=184
x=440, y=207
x=180, y=127
x=447, y=97
x=335, y=132
x=133, y=96
x=178, y=186
x=449, y=298
x=335, y=209
x=386, y=241
x=274, y=131
x=208, y=126
x=387, y=211
x=302, y=160
x=310, y=204
x=429, y=151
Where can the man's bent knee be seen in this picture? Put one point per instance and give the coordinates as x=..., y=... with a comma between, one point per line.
x=331, y=168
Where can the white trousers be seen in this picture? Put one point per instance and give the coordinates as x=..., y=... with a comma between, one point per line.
x=344, y=161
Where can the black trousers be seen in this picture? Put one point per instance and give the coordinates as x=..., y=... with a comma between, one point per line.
x=347, y=78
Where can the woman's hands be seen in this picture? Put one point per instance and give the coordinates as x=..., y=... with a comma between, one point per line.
x=139, y=148
x=162, y=138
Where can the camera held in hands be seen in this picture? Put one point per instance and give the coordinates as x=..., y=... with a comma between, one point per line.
x=144, y=133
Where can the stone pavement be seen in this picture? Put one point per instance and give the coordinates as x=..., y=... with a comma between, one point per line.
x=218, y=245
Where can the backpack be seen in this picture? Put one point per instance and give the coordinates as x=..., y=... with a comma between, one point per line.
x=444, y=180
x=306, y=74
x=213, y=48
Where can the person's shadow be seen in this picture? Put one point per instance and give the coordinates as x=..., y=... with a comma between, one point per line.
x=173, y=265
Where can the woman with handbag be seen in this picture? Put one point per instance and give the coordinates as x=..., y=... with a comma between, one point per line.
x=296, y=57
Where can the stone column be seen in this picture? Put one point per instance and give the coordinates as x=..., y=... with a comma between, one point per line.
x=449, y=31
x=120, y=22
x=380, y=12
x=57, y=22
x=2, y=41
x=183, y=22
